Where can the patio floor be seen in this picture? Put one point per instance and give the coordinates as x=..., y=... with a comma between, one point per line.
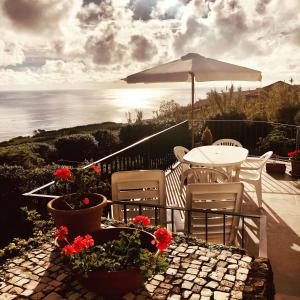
x=281, y=205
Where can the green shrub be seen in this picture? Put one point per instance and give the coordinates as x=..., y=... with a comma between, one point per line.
x=277, y=142
x=297, y=118
x=206, y=138
x=46, y=151
x=77, y=147
x=22, y=155
x=14, y=181
x=107, y=142
x=287, y=114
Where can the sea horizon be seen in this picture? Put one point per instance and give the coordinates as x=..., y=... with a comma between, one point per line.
x=23, y=112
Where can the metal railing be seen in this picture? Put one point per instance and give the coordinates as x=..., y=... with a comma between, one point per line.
x=152, y=152
x=250, y=133
x=206, y=212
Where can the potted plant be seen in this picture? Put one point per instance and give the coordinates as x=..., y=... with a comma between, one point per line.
x=80, y=209
x=295, y=162
x=275, y=166
x=117, y=260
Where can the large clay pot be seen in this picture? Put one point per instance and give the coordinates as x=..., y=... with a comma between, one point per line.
x=277, y=168
x=295, y=167
x=79, y=221
x=118, y=283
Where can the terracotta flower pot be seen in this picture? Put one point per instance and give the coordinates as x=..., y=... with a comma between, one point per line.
x=295, y=167
x=277, y=168
x=115, y=283
x=79, y=221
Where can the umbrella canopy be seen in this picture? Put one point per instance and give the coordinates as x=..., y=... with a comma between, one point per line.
x=193, y=67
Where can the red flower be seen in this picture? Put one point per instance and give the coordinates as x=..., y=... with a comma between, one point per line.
x=61, y=233
x=78, y=244
x=86, y=201
x=63, y=173
x=163, y=238
x=145, y=221
x=96, y=168
x=89, y=242
x=294, y=155
x=69, y=250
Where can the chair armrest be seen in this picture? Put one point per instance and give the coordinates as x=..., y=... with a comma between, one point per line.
x=252, y=159
x=249, y=168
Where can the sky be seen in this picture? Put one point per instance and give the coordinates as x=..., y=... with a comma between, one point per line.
x=51, y=44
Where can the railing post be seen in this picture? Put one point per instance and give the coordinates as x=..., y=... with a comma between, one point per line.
x=298, y=137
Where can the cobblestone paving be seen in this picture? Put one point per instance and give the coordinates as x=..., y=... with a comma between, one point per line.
x=194, y=273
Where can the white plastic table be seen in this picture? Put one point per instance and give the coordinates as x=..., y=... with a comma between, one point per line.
x=229, y=157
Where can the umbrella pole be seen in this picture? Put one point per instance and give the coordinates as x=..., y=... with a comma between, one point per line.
x=193, y=100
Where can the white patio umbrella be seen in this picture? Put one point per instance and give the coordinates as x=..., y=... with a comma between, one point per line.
x=193, y=67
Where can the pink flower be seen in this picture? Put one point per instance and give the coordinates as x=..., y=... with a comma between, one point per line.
x=145, y=221
x=86, y=201
x=63, y=173
x=163, y=238
x=61, y=233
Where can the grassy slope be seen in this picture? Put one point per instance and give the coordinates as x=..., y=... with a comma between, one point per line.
x=51, y=135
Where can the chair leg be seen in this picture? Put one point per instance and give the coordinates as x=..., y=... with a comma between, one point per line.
x=259, y=193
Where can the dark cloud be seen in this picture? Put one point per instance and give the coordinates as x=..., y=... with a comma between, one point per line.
x=261, y=6
x=142, y=9
x=93, y=13
x=36, y=16
x=142, y=49
x=105, y=50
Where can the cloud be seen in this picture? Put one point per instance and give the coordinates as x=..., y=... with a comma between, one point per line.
x=45, y=16
x=11, y=54
x=142, y=49
x=104, y=48
x=52, y=41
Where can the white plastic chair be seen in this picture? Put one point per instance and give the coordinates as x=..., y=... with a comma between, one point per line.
x=179, y=152
x=203, y=175
x=227, y=142
x=142, y=186
x=225, y=197
x=251, y=171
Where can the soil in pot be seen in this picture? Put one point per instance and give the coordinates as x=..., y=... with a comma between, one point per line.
x=117, y=283
x=79, y=221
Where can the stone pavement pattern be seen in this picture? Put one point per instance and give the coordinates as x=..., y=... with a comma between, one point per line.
x=194, y=272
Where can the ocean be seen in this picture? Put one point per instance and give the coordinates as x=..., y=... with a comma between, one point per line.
x=22, y=112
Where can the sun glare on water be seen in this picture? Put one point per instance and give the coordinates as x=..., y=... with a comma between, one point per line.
x=139, y=98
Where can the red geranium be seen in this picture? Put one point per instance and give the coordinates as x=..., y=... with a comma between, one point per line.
x=145, y=221
x=163, y=238
x=89, y=242
x=96, y=168
x=86, y=201
x=295, y=155
x=69, y=249
x=61, y=233
x=63, y=173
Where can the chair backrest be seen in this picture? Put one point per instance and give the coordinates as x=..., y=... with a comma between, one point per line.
x=142, y=186
x=263, y=160
x=225, y=197
x=227, y=142
x=205, y=175
x=179, y=152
